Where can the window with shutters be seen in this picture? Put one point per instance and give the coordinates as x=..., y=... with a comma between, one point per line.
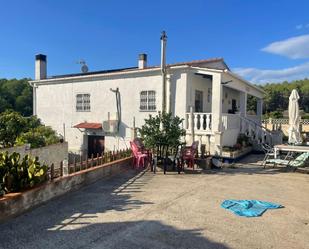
x=83, y=102
x=147, y=101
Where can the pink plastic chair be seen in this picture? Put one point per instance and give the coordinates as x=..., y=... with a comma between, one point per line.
x=139, y=158
x=141, y=148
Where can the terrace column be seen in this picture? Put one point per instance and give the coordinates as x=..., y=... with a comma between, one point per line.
x=243, y=104
x=259, y=107
x=216, y=105
x=216, y=113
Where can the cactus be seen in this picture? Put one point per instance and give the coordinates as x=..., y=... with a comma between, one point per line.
x=17, y=174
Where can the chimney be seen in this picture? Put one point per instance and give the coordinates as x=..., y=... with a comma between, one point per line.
x=142, y=61
x=40, y=67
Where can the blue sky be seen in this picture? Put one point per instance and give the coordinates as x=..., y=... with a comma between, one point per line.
x=260, y=40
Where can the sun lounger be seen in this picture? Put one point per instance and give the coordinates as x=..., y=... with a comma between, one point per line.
x=299, y=161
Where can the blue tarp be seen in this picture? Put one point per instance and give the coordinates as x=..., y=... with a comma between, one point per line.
x=249, y=208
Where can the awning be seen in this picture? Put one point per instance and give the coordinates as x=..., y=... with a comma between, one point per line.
x=86, y=125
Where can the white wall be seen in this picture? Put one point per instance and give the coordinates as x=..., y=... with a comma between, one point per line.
x=179, y=92
x=228, y=95
x=56, y=105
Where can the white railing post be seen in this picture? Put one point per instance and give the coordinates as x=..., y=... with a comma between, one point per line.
x=207, y=122
x=195, y=120
x=192, y=123
x=186, y=122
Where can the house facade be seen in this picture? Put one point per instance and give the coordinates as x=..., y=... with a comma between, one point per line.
x=98, y=111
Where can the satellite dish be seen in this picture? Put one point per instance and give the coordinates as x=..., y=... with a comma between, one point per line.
x=84, y=68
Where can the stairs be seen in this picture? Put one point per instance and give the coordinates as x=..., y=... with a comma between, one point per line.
x=258, y=134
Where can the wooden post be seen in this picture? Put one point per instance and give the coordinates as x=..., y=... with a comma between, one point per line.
x=81, y=161
x=86, y=161
x=91, y=160
x=61, y=168
x=52, y=171
x=74, y=163
x=97, y=161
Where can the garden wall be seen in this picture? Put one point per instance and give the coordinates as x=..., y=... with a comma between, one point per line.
x=51, y=154
x=13, y=204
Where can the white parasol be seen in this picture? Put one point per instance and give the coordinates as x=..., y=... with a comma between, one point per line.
x=294, y=118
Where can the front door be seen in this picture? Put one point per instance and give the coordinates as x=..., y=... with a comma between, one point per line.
x=95, y=145
x=234, y=105
x=198, y=107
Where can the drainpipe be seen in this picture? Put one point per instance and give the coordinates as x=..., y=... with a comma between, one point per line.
x=34, y=113
x=163, y=69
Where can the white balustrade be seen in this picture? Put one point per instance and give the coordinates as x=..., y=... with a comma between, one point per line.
x=201, y=122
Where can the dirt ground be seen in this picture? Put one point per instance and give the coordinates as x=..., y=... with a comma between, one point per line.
x=143, y=210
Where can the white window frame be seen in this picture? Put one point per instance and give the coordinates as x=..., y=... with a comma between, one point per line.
x=148, y=101
x=82, y=102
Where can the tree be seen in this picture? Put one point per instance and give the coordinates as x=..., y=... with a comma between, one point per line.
x=12, y=124
x=18, y=130
x=163, y=128
x=16, y=95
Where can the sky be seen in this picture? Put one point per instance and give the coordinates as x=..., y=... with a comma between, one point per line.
x=262, y=41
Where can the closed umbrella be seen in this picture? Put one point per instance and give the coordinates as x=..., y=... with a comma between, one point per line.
x=294, y=118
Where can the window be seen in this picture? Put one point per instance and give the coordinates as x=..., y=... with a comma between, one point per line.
x=147, y=101
x=83, y=102
x=198, y=101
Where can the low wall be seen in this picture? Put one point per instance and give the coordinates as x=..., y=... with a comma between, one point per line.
x=54, y=153
x=13, y=204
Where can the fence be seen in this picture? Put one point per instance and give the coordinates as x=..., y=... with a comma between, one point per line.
x=283, y=125
x=85, y=163
x=283, y=121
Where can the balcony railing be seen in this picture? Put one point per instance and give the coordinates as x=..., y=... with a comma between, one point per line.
x=201, y=122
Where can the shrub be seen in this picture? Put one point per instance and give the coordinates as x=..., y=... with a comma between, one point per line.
x=18, y=130
x=17, y=174
x=38, y=137
x=163, y=128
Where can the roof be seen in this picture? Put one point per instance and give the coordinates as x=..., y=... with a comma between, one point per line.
x=86, y=125
x=128, y=69
x=94, y=72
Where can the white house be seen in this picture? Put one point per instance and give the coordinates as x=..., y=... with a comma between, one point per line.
x=82, y=107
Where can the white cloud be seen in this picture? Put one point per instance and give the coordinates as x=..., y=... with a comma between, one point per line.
x=300, y=26
x=256, y=75
x=295, y=47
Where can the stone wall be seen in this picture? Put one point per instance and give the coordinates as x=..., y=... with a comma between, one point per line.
x=13, y=204
x=54, y=153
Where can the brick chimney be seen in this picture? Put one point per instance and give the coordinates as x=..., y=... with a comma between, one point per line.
x=40, y=67
x=142, y=61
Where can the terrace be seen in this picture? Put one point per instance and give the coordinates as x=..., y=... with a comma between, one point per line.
x=139, y=209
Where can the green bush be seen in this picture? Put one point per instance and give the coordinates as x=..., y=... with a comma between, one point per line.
x=243, y=139
x=17, y=174
x=18, y=130
x=38, y=137
x=163, y=128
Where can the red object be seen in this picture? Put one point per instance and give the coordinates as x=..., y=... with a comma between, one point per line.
x=141, y=148
x=188, y=154
x=139, y=158
x=86, y=125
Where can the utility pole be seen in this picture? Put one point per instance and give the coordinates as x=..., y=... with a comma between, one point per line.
x=163, y=69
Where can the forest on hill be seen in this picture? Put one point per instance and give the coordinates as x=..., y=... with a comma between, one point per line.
x=16, y=95
x=276, y=99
